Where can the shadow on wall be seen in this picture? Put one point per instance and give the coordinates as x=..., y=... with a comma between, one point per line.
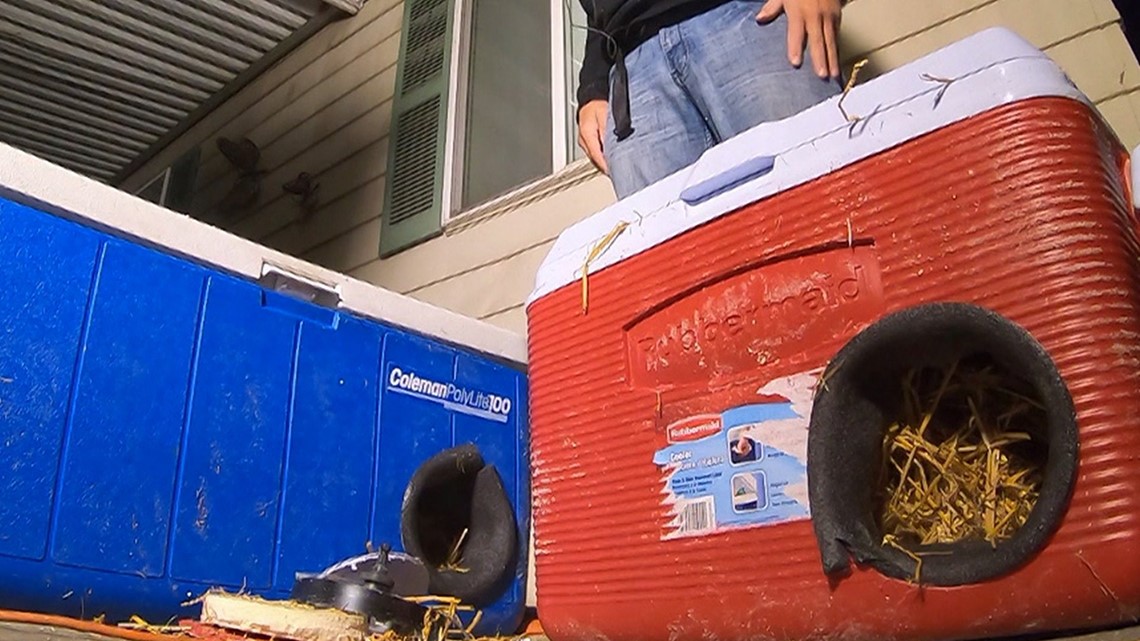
x=851, y=50
x=1130, y=15
x=852, y=44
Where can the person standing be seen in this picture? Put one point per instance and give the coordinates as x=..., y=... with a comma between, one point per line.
x=664, y=80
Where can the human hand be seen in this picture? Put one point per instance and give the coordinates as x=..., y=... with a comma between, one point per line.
x=743, y=446
x=818, y=20
x=591, y=132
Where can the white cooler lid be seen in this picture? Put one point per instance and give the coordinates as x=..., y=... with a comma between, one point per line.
x=971, y=76
x=31, y=181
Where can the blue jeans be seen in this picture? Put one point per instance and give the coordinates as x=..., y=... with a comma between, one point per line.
x=701, y=82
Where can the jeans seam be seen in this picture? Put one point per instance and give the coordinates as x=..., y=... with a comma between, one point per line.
x=682, y=47
x=711, y=134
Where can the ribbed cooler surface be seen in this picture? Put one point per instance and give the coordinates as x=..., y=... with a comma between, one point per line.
x=1020, y=209
x=166, y=428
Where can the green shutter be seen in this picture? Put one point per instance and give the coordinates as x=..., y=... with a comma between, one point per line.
x=183, y=179
x=413, y=201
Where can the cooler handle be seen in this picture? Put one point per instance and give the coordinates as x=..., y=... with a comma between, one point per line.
x=282, y=281
x=728, y=179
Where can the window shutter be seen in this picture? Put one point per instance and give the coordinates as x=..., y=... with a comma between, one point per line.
x=183, y=179
x=413, y=200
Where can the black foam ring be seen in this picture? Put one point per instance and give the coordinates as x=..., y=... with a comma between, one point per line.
x=452, y=491
x=848, y=422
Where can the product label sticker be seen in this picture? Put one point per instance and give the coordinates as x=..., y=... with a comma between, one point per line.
x=744, y=467
x=456, y=398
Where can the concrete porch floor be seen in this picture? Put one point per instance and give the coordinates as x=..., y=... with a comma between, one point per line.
x=10, y=631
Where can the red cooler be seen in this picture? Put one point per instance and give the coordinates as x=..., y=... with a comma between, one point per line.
x=703, y=434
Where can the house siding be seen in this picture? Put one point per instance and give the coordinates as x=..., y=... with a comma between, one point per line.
x=326, y=110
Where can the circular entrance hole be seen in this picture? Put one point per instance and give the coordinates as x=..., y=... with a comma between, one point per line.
x=458, y=519
x=963, y=451
x=942, y=448
x=443, y=519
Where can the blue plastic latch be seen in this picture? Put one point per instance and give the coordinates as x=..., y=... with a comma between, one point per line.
x=730, y=178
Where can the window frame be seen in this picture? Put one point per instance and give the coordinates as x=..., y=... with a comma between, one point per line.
x=561, y=158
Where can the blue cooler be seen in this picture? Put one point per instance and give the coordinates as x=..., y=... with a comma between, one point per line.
x=181, y=409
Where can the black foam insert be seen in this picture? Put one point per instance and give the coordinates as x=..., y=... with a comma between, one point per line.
x=454, y=491
x=853, y=407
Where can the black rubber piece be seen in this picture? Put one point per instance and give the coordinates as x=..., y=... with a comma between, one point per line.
x=454, y=491
x=405, y=574
x=849, y=417
x=402, y=616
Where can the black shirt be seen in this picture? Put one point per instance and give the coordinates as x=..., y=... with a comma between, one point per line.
x=617, y=27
